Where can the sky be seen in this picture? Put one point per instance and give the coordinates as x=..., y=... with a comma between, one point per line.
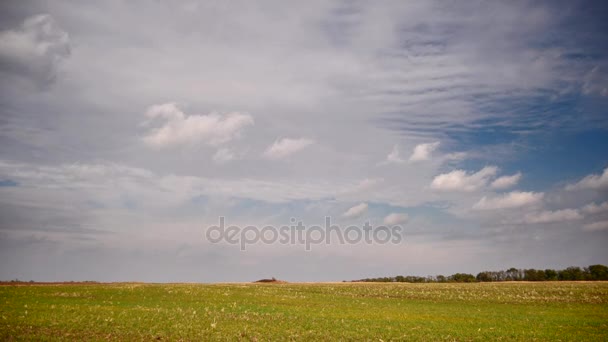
x=127, y=128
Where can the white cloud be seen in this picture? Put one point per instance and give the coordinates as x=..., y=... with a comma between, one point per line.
x=506, y=181
x=395, y=219
x=596, y=226
x=594, y=82
x=513, y=199
x=179, y=128
x=394, y=156
x=553, y=216
x=456, y=156
x=460, y=180
x=593, y=208
x=223, y=155
x=363, y=186
x=35, y=49
x=423, y=151
x=110, y=180
x=285, y=147
x=356, y=211
x=595, y=182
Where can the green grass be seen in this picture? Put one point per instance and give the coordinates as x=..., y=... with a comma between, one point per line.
x=481, y=311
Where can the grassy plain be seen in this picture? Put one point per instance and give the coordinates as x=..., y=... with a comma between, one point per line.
x=553, y=311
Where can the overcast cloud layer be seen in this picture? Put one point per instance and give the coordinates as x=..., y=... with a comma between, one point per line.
x=128, y=127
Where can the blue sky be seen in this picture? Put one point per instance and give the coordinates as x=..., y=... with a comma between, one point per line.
x=128, y=128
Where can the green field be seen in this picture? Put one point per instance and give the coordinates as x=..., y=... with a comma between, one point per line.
x=342, y=311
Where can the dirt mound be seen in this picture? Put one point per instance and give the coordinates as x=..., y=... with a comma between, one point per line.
x=272, y=280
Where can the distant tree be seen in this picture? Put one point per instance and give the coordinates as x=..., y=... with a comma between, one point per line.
x=571, y=273
x=484, y=276
x=462, y=278
x=514, y=274
x=534, y=275
x=593, y=272
x=598, y=272
x=586, y=273
x=550, y=274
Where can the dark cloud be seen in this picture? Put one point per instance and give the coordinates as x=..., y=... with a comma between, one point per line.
x=33, y=50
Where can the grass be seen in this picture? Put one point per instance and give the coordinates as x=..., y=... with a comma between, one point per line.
x=343, y=311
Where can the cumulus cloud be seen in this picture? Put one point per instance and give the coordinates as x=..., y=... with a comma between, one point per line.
x=596, y=226
x=593, y=208
x=286, y=147
x=394, y=156
x=506, y=181
x=396, y=218
x=423, y=151
x=34, y=50
x=553, y=216
x=179, y=128
x=460, y=180
x=356, y=211
x=510, y=200
x=595, y=182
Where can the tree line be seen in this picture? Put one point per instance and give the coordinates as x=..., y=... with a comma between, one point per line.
x=593, y=272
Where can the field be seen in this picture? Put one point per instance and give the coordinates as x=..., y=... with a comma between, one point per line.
x=341, y=311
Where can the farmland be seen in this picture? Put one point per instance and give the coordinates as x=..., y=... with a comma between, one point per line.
x=324, y=311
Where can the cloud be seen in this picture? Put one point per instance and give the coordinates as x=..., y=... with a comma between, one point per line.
x=595, y=82
x=506, y=181
x=596, y=226
x=286, y=147
x=356, y=211
x=456, y=156
x=423, y=151
x=460, y=180
x=510, y=200
x=109, y=180
x=593, y=208
x=553, y=216
x=394, y=156
x=179, y=128
x=595, y=182
x=223, y=155
x=358, y=77
x=395, y=219
x=363, y=186
x=34, y=50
